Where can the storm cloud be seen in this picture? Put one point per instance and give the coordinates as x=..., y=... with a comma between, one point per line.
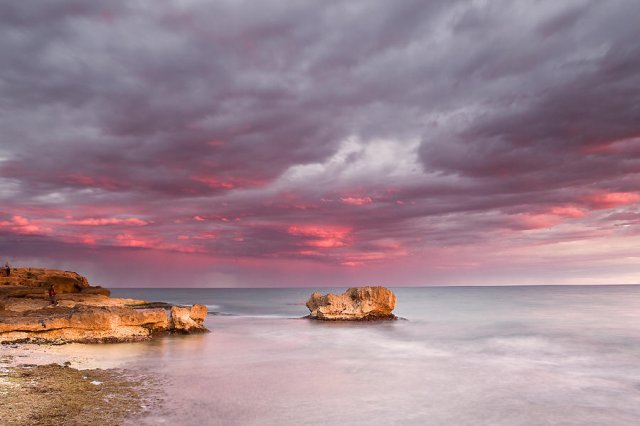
x=322, y=143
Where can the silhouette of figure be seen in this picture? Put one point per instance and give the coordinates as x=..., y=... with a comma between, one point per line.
x=7, y=269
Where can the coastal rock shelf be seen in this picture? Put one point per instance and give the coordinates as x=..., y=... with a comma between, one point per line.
x=83, y=313
x=355, y=304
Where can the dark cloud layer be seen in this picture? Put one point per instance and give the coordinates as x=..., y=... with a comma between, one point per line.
x=409, y=141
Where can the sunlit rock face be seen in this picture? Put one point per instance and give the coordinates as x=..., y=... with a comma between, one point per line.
x=355, y=304
x=62, y=281
x=185, y=319
x=82, y=324
x=82, y=313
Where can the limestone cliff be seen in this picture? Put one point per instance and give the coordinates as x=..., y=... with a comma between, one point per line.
x=355, y=304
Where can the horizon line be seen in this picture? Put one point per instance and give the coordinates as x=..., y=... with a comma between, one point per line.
x=424, y=286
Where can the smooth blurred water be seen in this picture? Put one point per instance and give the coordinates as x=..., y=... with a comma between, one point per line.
x=464, y=356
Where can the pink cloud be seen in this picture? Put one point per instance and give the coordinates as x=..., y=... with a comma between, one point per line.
x=86, y=239
x=321, y=236
x=20, y=221
x=567, y=211
x=109, y=221
x=385, y=251
x=611, y=147
x=309, y=253
x=128, y=240
x=216, y=182
x=536, y=221
x=326, y=243
x=610, y=200
x=22, y=225
x=357, y=201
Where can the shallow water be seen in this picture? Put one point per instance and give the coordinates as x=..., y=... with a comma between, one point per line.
x=465, y=356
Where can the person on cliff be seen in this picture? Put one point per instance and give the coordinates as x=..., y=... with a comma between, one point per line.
x=7, y=269
x=52, y=296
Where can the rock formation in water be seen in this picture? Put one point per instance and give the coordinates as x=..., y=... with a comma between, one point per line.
x=355, y=304
x=83, y=313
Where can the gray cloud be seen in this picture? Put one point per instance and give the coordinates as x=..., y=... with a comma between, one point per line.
x=470, y=119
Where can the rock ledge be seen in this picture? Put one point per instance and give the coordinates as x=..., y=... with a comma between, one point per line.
x=84, y=313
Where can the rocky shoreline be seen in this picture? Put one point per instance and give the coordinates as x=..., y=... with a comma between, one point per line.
x=83, y=313
x=39, y=384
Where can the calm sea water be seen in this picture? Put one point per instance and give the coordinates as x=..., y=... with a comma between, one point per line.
x=465, y=356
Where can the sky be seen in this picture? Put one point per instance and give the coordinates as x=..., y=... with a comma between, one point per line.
x=322, y=143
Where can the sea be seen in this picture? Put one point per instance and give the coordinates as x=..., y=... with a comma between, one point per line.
x=522, y=355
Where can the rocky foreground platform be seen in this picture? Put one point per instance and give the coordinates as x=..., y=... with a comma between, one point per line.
x=355, y=304
x=84, y=313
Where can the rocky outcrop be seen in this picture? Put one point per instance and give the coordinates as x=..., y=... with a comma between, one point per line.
x=355, y=304
x=86, y=315
x=188, y=319
x=85, y=324
x=63, y=281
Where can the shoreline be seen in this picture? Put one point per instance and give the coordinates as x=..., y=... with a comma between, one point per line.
x=46, y=384
x=51, y=370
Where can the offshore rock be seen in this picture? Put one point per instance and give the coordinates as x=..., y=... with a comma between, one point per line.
x=83, y=313
x=355, y=304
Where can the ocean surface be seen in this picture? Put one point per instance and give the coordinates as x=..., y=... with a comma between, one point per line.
x=542, y=355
